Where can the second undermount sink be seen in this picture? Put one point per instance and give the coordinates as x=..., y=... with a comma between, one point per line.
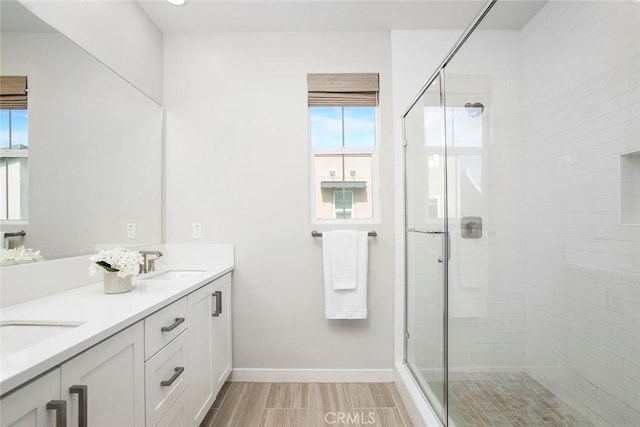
x=177, y=275
x=16, y=336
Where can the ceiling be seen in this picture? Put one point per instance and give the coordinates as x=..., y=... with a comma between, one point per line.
x=15, y=18
x=217, y=16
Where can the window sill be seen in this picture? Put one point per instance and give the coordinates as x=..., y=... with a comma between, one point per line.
x=345, y=222
x=14, y=222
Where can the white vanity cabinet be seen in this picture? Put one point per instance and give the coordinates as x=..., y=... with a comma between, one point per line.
x=165, y=370
x=209, y=345
x=37, y=404
x=104, y=386
x=101, y=387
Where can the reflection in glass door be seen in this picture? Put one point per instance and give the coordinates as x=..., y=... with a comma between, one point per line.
x=425, y=269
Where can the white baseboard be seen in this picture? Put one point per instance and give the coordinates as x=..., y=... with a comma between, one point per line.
x=313, y=375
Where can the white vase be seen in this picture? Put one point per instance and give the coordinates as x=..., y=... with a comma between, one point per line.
x=113, y=284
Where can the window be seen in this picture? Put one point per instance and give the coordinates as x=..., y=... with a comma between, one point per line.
x=342, y=204
x=14, y=148
x=342, y=133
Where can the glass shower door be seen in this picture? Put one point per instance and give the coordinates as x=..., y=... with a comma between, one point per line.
x=425, y=225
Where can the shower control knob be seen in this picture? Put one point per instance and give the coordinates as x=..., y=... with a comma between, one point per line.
x=440, y=260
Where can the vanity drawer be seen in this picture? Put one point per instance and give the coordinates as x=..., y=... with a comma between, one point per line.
x=165, y=379
x=163, y=326
x=177, y=414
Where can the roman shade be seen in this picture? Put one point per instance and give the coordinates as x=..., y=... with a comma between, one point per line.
x=344, y=89
x=13, y=92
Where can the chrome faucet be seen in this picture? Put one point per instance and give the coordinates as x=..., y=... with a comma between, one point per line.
x=149, y=264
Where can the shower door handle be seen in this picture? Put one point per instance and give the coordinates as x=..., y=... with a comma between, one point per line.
x=417, y=230
x=440, y=259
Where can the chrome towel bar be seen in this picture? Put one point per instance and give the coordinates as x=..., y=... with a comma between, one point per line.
x=20, y=233
x=315, y=233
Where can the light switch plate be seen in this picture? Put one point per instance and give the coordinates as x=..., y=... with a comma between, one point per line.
x=131, y=231
x=196, y=230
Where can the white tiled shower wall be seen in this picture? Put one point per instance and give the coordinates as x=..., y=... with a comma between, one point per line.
x=581, y=62
x=491, y=335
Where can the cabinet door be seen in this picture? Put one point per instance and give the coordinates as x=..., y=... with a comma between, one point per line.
x=200, y=353
x=222, y=333
x=27, y=407
x=113, y=374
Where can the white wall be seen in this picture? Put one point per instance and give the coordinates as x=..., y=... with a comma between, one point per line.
x=238, y=163
x=582, y=102
x=118, y=33
x=94, y=149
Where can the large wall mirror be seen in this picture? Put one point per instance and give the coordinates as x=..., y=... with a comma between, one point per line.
x=93, y=147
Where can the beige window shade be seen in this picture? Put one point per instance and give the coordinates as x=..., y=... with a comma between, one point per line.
x=13, y=92
x=359, y=89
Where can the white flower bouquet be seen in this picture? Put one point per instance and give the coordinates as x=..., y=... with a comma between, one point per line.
x=117, y=260
x=18, y=255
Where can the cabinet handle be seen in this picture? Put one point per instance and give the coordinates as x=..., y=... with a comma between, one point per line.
x=83, y=398
x=218, y=296
x=60, y=406
x=172, y=326
x=179, y=370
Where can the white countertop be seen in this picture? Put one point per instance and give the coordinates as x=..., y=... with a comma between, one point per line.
x=101, y=315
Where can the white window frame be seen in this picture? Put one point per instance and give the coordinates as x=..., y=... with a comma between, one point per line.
x=338, y=151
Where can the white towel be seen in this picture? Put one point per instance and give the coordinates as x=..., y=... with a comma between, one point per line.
x=343, y=255
x=345, y=303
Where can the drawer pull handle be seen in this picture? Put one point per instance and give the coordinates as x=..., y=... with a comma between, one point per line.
x=60, y=406
x=179, y=370
x=218, y=312
x=81, y=391
x=172, y=326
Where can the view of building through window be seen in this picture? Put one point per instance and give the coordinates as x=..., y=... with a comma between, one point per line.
x=343, y=140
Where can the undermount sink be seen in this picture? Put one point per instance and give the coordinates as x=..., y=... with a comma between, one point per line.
x=19, y=335
x=177, y=275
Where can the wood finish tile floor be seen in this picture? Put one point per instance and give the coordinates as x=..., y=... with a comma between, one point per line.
x=307, y=405
x=507, y=400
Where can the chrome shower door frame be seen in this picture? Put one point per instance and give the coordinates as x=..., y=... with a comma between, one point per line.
x=439, y=77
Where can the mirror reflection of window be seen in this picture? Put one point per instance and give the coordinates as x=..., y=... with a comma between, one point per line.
x=14, y=148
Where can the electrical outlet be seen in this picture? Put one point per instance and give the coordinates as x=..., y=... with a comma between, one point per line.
x=131, y=231
x=196, y=230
